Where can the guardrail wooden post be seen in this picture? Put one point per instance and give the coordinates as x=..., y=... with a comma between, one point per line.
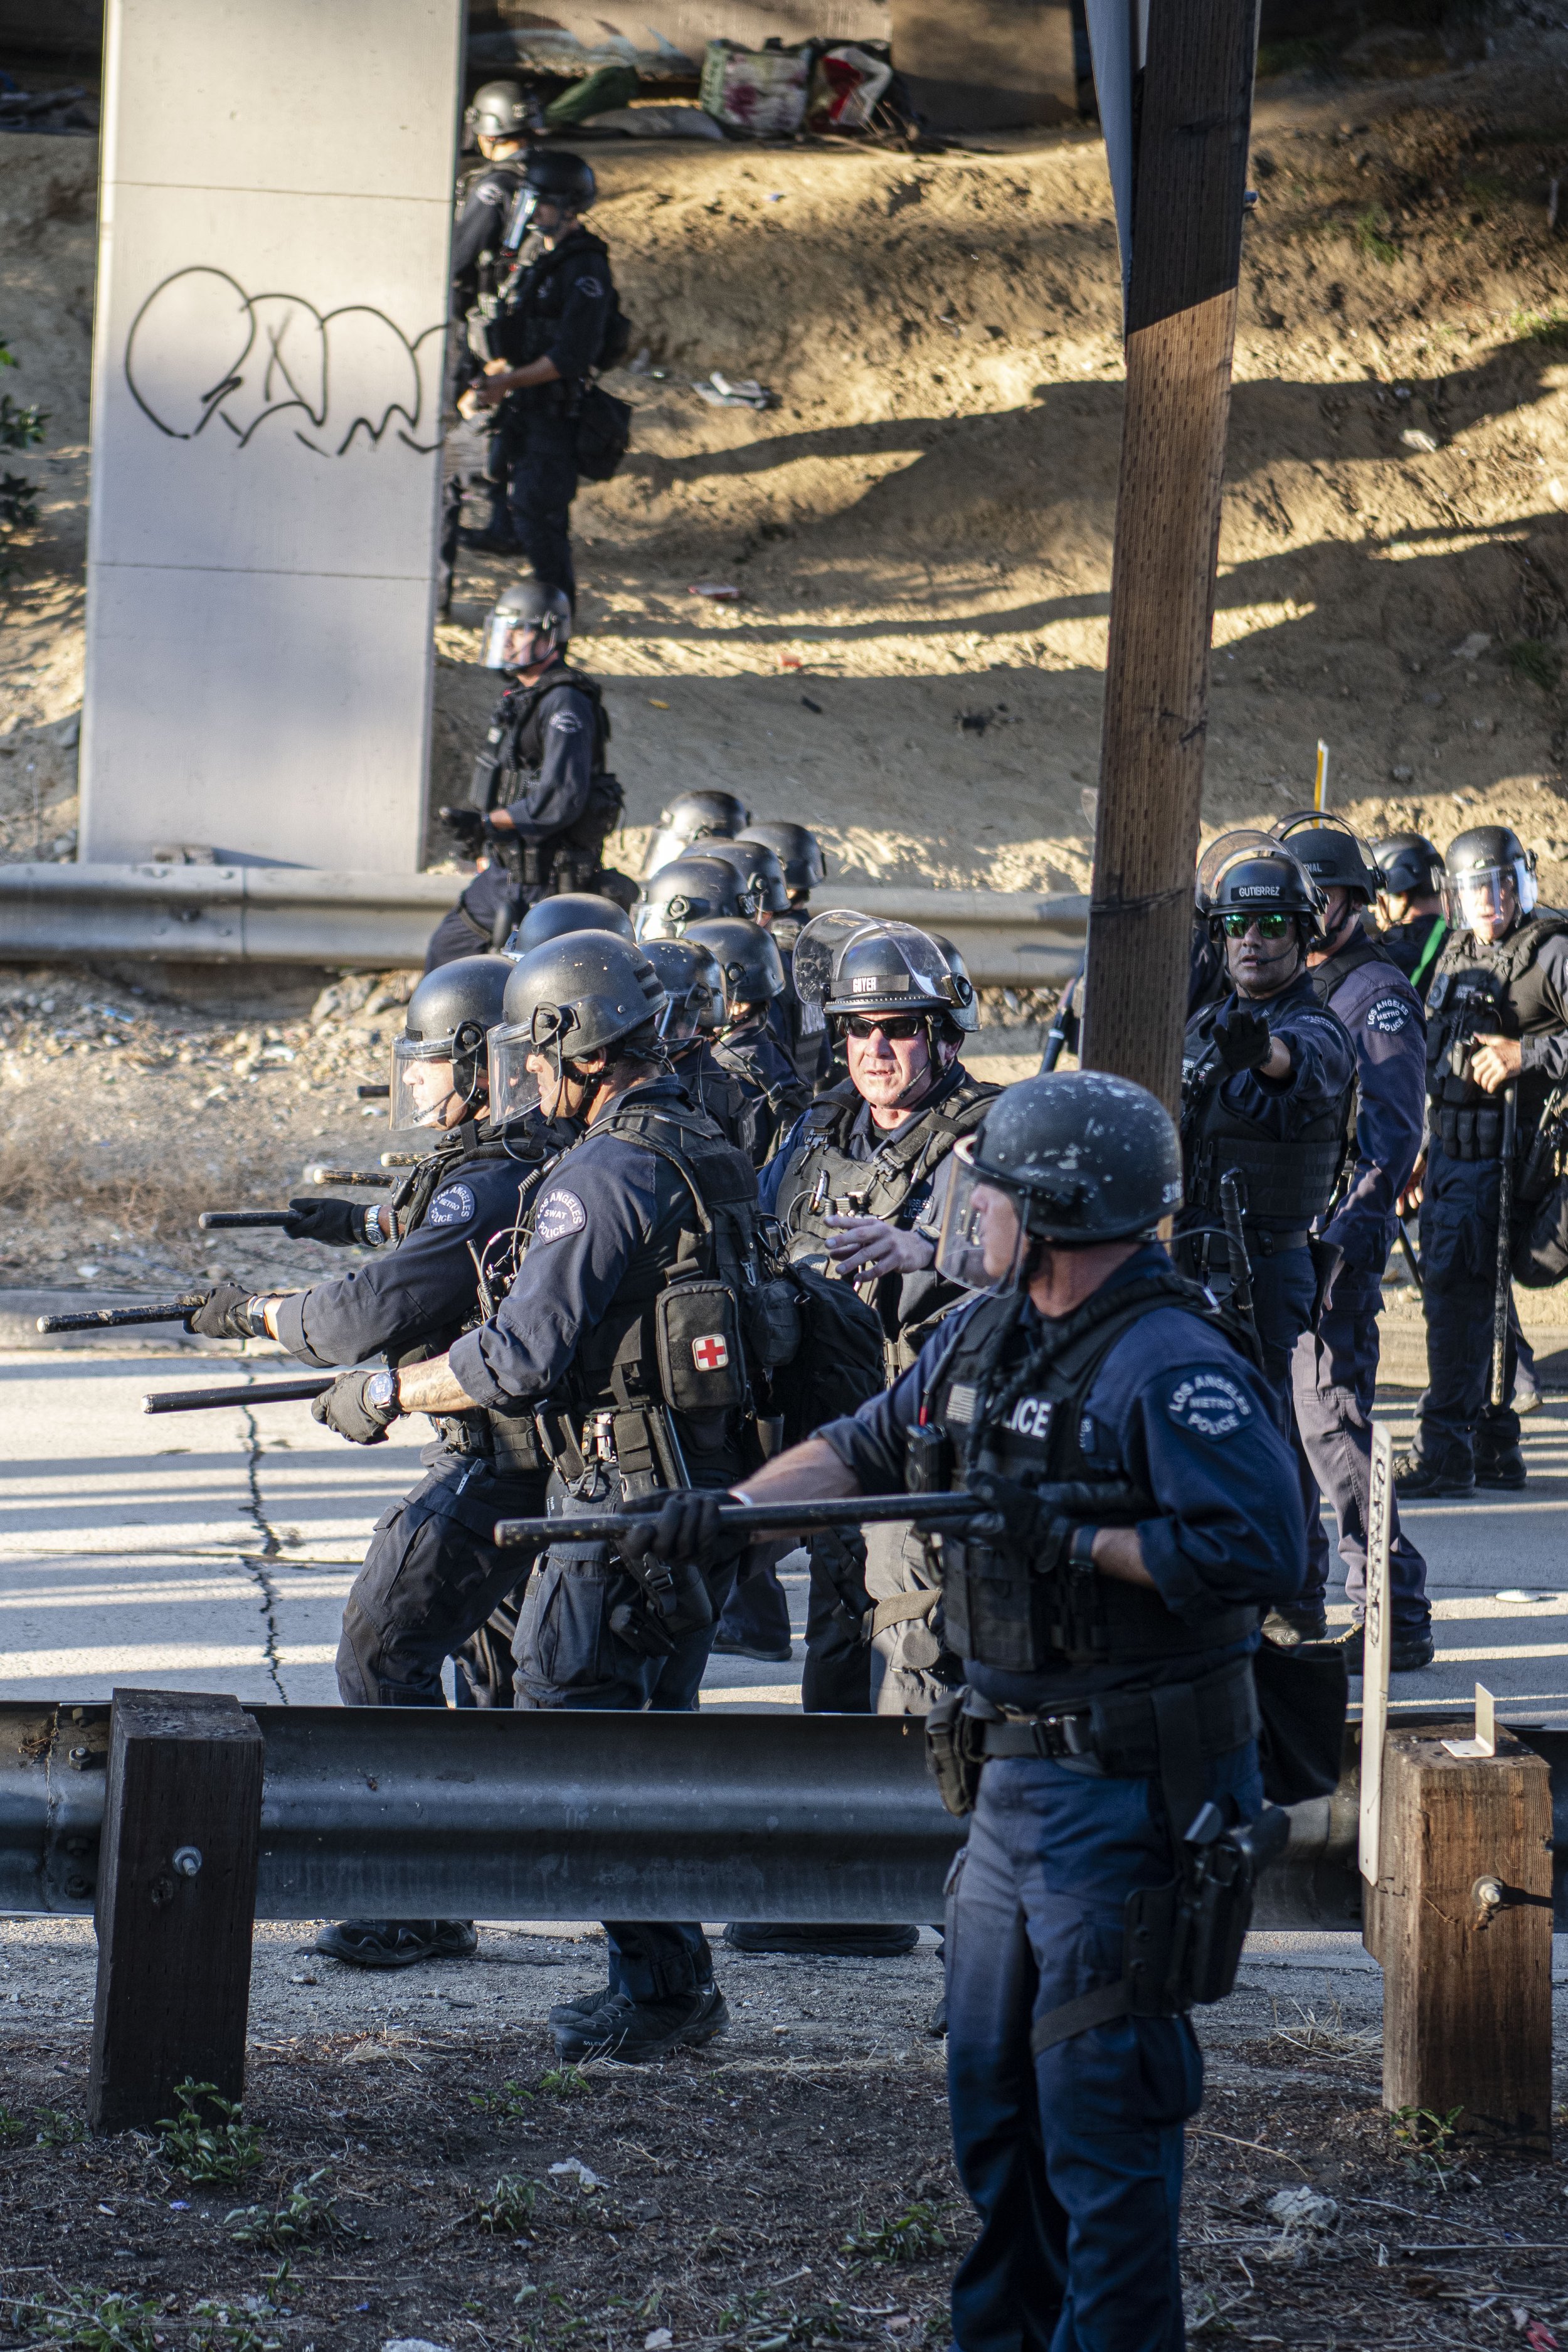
x=1461, y=1922
x=176, y=1899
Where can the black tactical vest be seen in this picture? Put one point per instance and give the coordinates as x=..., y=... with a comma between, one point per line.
x=529, y=318
x=1478, y=988
x=1018, y=1409
x=1358, y=949
x=1284, y=1185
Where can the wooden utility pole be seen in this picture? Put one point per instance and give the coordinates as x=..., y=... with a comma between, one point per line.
x=1190, y=182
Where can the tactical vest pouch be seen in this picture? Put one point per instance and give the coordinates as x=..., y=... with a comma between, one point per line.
x=928, y=1459
x=955, y=1752
x=773, y=1322
x=696, y=1327
x=992, y=1607
x=514, y=1441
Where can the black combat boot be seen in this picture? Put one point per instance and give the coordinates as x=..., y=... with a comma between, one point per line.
x=397, y=1943
x=1412, y=1648
x=1416, y=1475
x=1501, y=1465
x=636, y=2031
x=1300, y=1621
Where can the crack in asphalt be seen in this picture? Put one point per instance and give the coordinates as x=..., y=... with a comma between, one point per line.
x=257, y=1565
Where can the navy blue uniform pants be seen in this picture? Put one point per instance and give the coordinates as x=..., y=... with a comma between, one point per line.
x=1458, y=1263
x=430, y=1580
x=541, y=482
x=568, y=1656
x=1334, y=1375
x=1073, y=2160
x=757, y=1612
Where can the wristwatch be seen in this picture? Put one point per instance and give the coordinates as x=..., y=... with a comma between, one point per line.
x=381, y=1391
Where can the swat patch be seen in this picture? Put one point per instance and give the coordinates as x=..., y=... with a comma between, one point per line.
x=454, y=1205
x=560, y=1213
x=1390, y=1015
x=567, y=720
x=591, y=287
x=1211, y=1404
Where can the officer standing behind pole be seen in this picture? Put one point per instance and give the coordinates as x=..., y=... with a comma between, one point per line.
x=1334, y=1368
x=1410, y=902
x=431, y=1574
x=1267, y=1084
x=554, y=327
x=621, y=1331
x=1497, y=1044
x=1108, y=1686
x=543, y=799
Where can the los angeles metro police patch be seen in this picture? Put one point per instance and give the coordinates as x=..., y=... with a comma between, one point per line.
x=1209, y=1403
x=454, y=1205
x=560, y=1213
x=1390, y=1015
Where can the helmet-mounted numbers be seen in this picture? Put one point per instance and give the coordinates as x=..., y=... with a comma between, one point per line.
x=712, y=1352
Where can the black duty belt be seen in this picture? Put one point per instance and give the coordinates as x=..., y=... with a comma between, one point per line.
x=1121, y=1731
x=1262, y=1241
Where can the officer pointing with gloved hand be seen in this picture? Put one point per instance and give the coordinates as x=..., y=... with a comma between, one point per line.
x=620, y=1335
x=1106, y=1736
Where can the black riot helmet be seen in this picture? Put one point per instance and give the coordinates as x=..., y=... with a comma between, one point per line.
x=448, y=1016
x=759, y=869
x=750, y=964
x=1480, y=863
x=797, y=849
x=526, y=604
x=966, y=1011
x=1409, y=866
x=695, y=889
x=694, y=985
x=553, y=177
x=569, y=911
x=1079, y=1157
x=498, y=110
x=694, y=817
x=1333, y=854
x=1250, y=872
x=892, y=968
x=572, y=999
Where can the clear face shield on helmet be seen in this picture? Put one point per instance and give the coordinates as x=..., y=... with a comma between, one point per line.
x=427, y=1087
x=983, y=1240
x=514, y=1088
x=510, y=643
x=1486, y=899
x=1226, y=850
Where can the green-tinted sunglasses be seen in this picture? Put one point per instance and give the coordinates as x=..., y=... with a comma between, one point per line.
x=1269, y=927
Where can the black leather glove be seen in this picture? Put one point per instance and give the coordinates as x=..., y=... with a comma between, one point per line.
x=321, y=1218
x=466, y=826
x=840, y=1554
x=681, y=1539
x=1016, y=1516
x=1243, y=1041
x=363, y=1420
x=225, y=1314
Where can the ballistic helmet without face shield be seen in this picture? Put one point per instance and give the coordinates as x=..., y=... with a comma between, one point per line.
x=1078, y=1156
x=750, y=964
x=569, y=999
x=759, y=869
x=692, y=817
x=569, y=911
x=696, y=889
x=553, y=177
x=449, y=1014
x=1408, y=864
x=797, y=849
x=1332, y=853
x=694, y=985
x=526, y=604
x=1249, y=872
x=498, y=110
x=1480, y=863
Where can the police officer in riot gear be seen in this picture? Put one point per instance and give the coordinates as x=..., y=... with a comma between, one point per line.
x=1410, y=880
x=1268, y=1078
x=1109, y=1694
x=569, y=911
x=754, y=977
x=799, y=853
x=543, y=799
x=691, y=819
x=557, y=323
x=620, y=1335
x=1334, y=1368
x=1496, y=1046
x=497, y=120
x=432, y=1575
x=689, y=1031
x=695, y=889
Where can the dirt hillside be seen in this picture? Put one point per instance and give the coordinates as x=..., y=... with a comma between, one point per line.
x=922, y=518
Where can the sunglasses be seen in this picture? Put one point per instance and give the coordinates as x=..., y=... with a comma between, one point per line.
x=1269, y=927
x=891, y=1024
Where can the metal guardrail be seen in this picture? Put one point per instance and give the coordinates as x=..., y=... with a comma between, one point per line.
x=294, y=914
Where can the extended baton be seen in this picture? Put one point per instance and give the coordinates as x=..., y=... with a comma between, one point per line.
x=1502, y=1295
x=214, y=1221
x=1411, y=1260
x=319, y=1175
x=1077, y=1498
x=209, y=1399
x=115, y=1318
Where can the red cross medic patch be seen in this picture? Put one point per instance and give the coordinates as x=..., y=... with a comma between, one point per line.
x=712, y=1352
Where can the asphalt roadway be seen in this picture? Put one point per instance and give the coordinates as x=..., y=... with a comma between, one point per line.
x=212, y=1551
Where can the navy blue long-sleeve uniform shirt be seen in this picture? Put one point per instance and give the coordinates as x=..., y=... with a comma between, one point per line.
x=1175, y=1412
x=1387, y=1027
x=1322, y=1061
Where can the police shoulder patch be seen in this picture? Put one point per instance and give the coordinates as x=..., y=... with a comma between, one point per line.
x=567, y=720
x=560, y=1213
x=453, y=1205
x=1390, y=1015
x=591, y=287
x=1209, y=1402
